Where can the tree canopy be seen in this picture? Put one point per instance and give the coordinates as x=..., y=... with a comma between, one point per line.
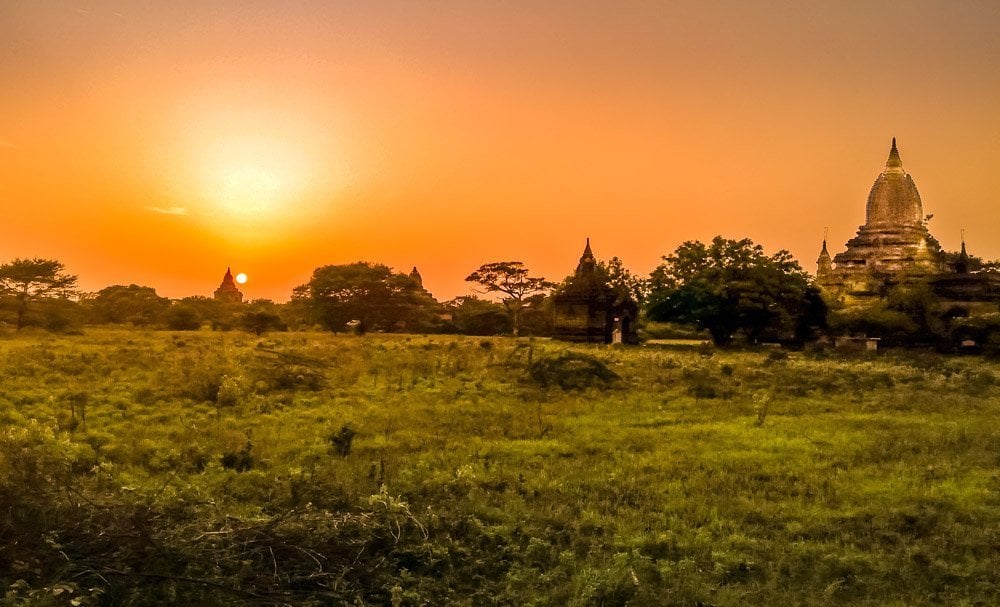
x=369, y=293
x=510, y=278
x=732, y=286
x=474, y=316
x=132, y=304
x=623, y=281
x=28, y=280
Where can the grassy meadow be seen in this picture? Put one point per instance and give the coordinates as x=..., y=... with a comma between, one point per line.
x=208, y=468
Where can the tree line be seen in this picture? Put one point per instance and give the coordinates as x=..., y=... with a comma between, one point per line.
x=730, y=290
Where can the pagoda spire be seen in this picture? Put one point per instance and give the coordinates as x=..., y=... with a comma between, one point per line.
x=894, y=162
x=228, y=291
x=587, y=260
x=228, y=278
x=961, y=264
x=825, y=263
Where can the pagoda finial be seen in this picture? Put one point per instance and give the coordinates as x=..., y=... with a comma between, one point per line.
x=894, y=161
x=963, y=243
x=587, y=261
x=825, y=262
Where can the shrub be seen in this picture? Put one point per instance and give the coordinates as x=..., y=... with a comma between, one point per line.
x=181, y=317
x=342, y=440
x=572, y=371
x=240, y=461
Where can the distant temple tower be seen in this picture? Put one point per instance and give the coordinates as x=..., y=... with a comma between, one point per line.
x=893, y=245
x=588, y=309
x=228, y=291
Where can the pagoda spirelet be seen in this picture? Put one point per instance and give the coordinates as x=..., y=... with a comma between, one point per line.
x=228, y=291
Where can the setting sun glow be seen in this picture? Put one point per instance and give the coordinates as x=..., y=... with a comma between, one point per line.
x=248, y=178
x=137, y=138
x=241, y=278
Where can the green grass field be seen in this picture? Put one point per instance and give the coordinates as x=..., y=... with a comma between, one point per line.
x=301, y=468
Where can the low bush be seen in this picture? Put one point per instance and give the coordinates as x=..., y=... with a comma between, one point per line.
x=572, y=371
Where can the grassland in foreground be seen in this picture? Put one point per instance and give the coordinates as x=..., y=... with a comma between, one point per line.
x=218, y=468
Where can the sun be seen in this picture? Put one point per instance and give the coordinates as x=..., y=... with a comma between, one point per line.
x=241, y=278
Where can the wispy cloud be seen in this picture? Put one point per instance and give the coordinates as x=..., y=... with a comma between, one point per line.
x=168, y=210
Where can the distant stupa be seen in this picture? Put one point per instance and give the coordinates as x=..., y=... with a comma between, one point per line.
x=228, y=291
x=892, y=246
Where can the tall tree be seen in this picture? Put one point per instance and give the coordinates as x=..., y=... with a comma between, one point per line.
x=732, y=286
x=29, y=280
x=511, y=279
x=128, y=304
x=371, y=294
x=623, y=281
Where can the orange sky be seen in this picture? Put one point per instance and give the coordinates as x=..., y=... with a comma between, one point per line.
x=159, y=142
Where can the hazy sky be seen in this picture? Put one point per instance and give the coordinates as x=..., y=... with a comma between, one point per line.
x=159, y=142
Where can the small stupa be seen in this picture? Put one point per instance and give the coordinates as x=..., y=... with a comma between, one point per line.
x=228, y=291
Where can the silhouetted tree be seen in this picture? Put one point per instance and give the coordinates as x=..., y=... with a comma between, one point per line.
x=623, y=281
x=183, y=316
x=261, y=316
x=29, y=280
x=474, y=316
x=128, y=304
x=221, y=315
x=369, y=293
x=731, y=286
x=511, y=279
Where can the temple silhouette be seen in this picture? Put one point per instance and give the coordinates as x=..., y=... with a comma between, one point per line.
x=228, y=291
x=588, y=309
x=894, y=248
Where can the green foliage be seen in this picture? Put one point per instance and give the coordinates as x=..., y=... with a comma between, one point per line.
x=981, y=329
x=572, y=371
x=474, y=316
x=58, y=315
x=343, y=439
x=372, y=294
x=910, y=315
x=23, y=282
x=132, y=304
x=731, y=286
x=623, y=281
x=511, y=279
x=261, y=316
x=183, y=316
x=802, y=479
